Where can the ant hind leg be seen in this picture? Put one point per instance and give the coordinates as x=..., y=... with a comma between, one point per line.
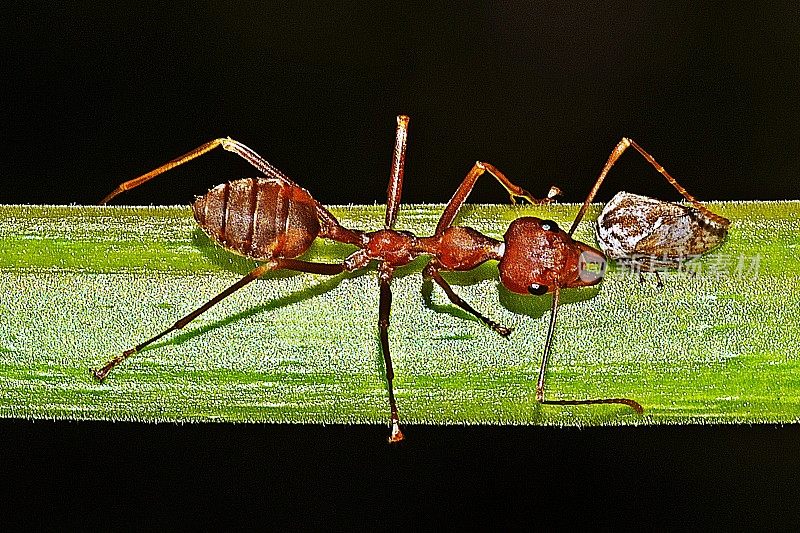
x=274, y=264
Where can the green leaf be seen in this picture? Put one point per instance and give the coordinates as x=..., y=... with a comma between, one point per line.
x=81, y=284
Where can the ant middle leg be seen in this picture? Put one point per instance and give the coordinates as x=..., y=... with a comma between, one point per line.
x=431, y=271
x=395, y=188
x=385, y=305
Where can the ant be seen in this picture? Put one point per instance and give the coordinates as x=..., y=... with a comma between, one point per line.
x=273, y=220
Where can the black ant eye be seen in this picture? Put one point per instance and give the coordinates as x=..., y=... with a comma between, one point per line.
x=537, y=289
x=549, y=225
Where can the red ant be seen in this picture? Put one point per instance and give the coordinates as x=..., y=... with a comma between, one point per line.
x=274, y=220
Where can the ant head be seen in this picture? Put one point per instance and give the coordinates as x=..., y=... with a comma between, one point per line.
x=539, y=256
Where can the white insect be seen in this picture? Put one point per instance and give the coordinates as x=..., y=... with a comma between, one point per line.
x=647, y=234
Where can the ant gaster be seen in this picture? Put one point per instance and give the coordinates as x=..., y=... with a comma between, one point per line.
x=274, y=220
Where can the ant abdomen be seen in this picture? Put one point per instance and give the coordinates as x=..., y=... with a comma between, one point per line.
x=259, y=218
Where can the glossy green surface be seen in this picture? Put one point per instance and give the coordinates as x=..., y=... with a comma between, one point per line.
x=80, y=284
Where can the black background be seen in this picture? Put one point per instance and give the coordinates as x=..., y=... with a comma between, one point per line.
x=94, y=95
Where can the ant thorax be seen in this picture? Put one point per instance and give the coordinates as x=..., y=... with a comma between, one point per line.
x=648, y=234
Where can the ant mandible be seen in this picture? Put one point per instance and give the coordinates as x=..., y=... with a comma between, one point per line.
x=274, y=220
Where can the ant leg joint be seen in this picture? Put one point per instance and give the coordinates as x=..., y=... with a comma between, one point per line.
x=396, y=435
x=182, y=322
x=503, y=331
x=429, y=269
x=228, y=144
x=385, y=273
x=356, y=260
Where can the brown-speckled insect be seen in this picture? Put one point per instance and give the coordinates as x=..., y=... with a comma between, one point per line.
x=647, y=234
x=274, y=220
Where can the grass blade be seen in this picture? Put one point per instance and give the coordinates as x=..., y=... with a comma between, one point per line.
x=80, y=284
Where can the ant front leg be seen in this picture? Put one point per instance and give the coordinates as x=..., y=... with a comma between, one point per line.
x=431, y=271
x=478, y=169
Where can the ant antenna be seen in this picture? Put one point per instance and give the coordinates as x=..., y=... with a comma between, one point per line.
x=636, y=406
x=615, y=154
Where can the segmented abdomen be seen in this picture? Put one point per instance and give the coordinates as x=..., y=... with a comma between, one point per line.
x=259, y=218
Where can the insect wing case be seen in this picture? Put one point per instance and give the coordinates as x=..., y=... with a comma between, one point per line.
x=650, y=233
